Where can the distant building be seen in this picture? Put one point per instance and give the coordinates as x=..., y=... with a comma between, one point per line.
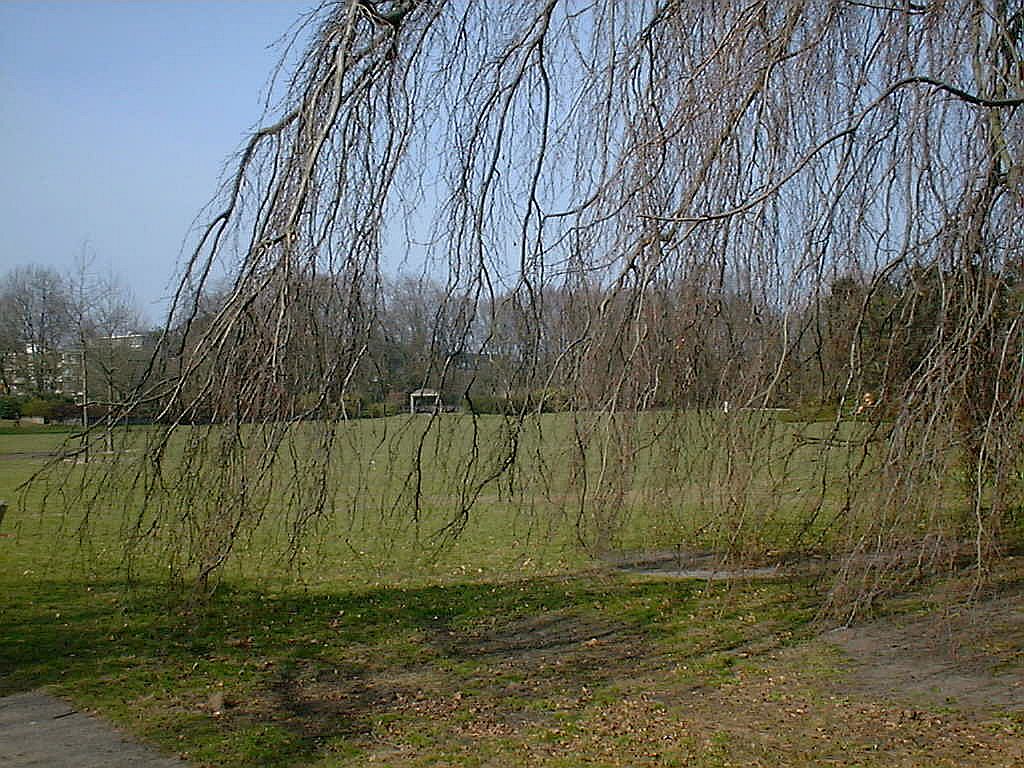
x=112, y=359
x=29, y=371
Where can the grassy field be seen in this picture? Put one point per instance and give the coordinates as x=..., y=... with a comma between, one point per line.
x=511, y=646
x=751, y=485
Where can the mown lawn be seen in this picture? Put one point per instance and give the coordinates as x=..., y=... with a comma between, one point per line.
x=509, y=648
x=396, y=486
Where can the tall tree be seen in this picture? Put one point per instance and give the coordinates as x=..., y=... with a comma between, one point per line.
x=747, y=151
x=35, y=315
x=109, y=342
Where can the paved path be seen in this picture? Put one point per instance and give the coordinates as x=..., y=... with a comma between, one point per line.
x=39, y=730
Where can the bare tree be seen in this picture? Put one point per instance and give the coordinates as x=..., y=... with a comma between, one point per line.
x=681, y=184
x=108, y=342
x=35, y=320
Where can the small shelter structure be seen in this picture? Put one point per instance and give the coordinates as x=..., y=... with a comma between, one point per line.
x=425, y=401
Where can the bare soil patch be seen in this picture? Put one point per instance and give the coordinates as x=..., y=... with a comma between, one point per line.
x=686, y=564
x=341, y=700
x=972, y=659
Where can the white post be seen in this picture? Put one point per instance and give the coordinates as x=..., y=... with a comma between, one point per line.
x=85, y=401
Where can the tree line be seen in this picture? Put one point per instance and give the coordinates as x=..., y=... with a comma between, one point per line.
x=68, y=342
x=854, y=336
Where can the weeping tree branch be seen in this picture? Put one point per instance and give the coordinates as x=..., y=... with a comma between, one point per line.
x=860, y=256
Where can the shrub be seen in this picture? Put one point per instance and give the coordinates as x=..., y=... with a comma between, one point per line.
x=354, y=406
x=10, y=407
x=66, y=409
x=37, y=407
x=376, y=410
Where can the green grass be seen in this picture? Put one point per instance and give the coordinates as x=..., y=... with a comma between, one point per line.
x=308, y=677
x=656, y=480
x=510, y=646
x=14, y=427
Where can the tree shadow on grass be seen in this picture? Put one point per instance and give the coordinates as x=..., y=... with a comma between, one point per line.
x=275, y=678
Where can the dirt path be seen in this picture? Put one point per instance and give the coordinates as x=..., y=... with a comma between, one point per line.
x=22, y=455
x=39, y=730
x=973, y=660
x=680, y=564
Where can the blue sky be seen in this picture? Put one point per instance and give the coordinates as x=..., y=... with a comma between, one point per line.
x=116, y=120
